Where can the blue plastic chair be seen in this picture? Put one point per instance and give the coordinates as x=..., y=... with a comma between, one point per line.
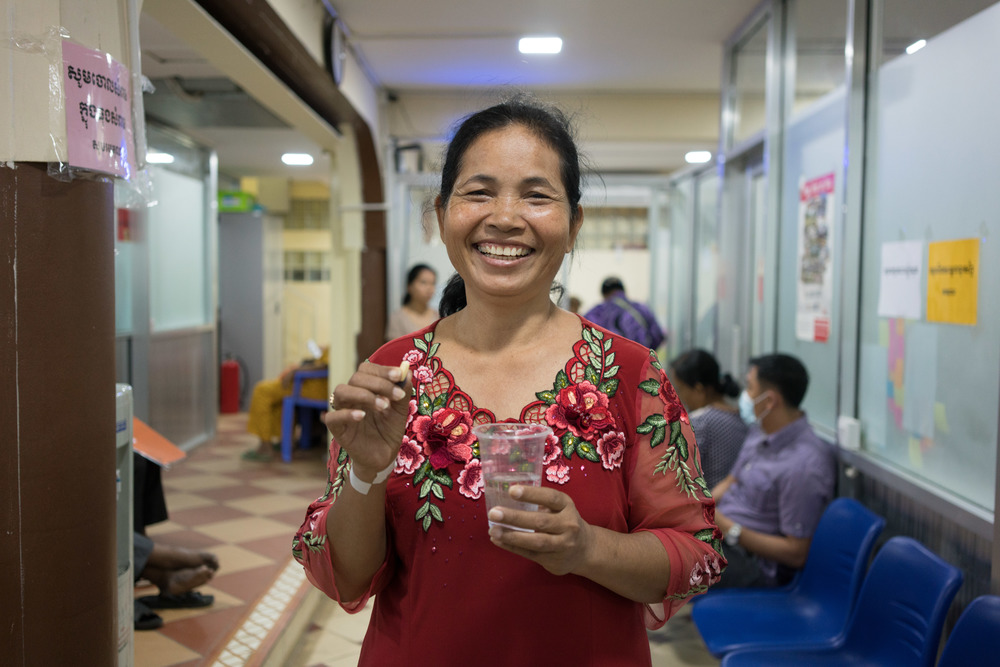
x=811, y=611
x=976, y=635
x=304, y=408
x=897, y=621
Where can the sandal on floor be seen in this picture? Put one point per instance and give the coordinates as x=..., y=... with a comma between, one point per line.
x=188, y=600
x=145, y=618
x=254, y=455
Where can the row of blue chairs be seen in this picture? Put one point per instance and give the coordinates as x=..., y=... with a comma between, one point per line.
x=838, y=611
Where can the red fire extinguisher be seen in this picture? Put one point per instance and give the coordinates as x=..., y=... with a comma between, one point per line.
x=229, y=387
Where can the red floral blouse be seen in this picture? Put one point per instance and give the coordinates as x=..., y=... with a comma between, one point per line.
x=622, y=448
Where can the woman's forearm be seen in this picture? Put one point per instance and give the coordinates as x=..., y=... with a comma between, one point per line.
x=355, y=528
x=633, y=565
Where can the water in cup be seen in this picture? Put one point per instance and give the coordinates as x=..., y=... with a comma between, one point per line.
x=510, y=453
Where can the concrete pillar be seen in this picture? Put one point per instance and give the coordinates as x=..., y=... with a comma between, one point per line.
x=58, y=579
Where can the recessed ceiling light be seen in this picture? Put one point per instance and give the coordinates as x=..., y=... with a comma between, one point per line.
x=154, y=157
x=916, y=46
x=697, y=157
x=297, y=159
x=539, y=45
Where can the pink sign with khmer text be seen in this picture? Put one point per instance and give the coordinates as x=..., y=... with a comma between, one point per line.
x=98, y=111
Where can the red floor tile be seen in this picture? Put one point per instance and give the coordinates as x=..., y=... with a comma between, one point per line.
x=277, y=547
x=293, y=518
x=233, y=492
x=191, y=539
x=207, y=632
x=249, y=584
x=199, y=516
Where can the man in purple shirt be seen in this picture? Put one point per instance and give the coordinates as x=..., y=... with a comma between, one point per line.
x=630, y=319
x=769, y=504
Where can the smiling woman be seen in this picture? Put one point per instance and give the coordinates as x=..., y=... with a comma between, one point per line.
x=624, y=529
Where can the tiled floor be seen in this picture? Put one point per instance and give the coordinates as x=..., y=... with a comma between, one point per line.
x=246, y=513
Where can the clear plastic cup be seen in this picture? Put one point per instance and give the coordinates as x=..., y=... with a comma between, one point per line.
x=510, y=454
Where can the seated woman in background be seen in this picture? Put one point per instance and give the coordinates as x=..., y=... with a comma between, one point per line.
x=264, y=419
x=716, y=423
x=416, y=313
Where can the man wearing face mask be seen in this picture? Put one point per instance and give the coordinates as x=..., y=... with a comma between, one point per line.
x=768, y=506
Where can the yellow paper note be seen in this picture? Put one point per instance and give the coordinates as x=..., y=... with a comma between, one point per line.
x=916, y=454
x=883, y=333
x=940, y=418
x=953, y=281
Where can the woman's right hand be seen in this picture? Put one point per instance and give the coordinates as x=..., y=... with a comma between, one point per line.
x=368, y=417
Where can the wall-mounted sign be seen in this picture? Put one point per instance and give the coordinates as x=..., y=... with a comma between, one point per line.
x=815, y=266
x=953, y=281
x=98, y=111
x=901, y=280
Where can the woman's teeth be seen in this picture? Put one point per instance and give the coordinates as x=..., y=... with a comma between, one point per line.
x=491, y=250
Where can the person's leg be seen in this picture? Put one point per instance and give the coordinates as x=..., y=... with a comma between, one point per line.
x=166, y=557
x=743, y=571
x=175, y=582
x=264, y=417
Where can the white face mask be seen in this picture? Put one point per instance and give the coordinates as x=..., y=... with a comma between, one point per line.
x=747, y=405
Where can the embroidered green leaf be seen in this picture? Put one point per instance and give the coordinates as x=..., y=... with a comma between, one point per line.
x=609, y=387
x=659, y=435
x=439, y=402
x=426, y=487
x=588, y=335
x=596, y=352
x=427, y=522
x=644, y=428
x=610, y=359
x=296, y=551
x=597, y=333
x=424, y=406
x=694, y=590
x=433, y=351
x=587, y=451
x=428, y=336
x=436, y=513
x=420, y=344
x=440, y=476
x=568, y=444
x=607, y=345
x=562, y=380
x=651, y=387
x=705, y=535
x=590, y=375
x=657, y=419
x=677, y=438
x=421, y=472
x=611, y=372
x=547, y=396
x=436, y=490
x=315, y=543
x=422, y=512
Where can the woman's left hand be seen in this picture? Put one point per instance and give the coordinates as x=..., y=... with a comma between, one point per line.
x=561, y=538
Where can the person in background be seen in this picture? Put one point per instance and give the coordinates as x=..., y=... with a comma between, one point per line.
x=619, y=314
x=716, y=423
x=264, y=419
x=574, y=304
x=624, y=531
x=782, y=481
x=416, y=313
x=176, y=572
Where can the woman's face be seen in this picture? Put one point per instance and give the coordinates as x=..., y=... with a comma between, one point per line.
x=422, y=288
x=507, y=222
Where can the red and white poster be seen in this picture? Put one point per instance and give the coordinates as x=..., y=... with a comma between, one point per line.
x=98, y=111
x=815, y=259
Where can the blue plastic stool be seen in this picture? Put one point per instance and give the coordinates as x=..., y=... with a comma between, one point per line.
x=305, y=408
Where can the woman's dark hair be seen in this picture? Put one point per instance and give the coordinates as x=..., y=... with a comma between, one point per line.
x=547, y=123
x=696, y=367
x=415, y=271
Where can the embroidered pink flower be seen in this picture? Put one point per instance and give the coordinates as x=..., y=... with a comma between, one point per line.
x=611, y=447
x=552, y=449
x=582, y=410
x=446, y=436
x=558, y=473
x=706, y=572
x=470, y=480
x=423, y=374
x=415, y=357
x=672, y=408
x=410, y=456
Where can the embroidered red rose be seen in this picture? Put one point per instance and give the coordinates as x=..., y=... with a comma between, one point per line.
x=552, y=449
x=706, y=572
x=672, y=408
x=470, y=480
x=611, y=447
x=558, y=473
x=446, y=436
x=423, y=374
x=582, y=410
x=415, y=357
x=410, y=456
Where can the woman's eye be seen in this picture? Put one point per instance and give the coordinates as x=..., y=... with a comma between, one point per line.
x=538, y=195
